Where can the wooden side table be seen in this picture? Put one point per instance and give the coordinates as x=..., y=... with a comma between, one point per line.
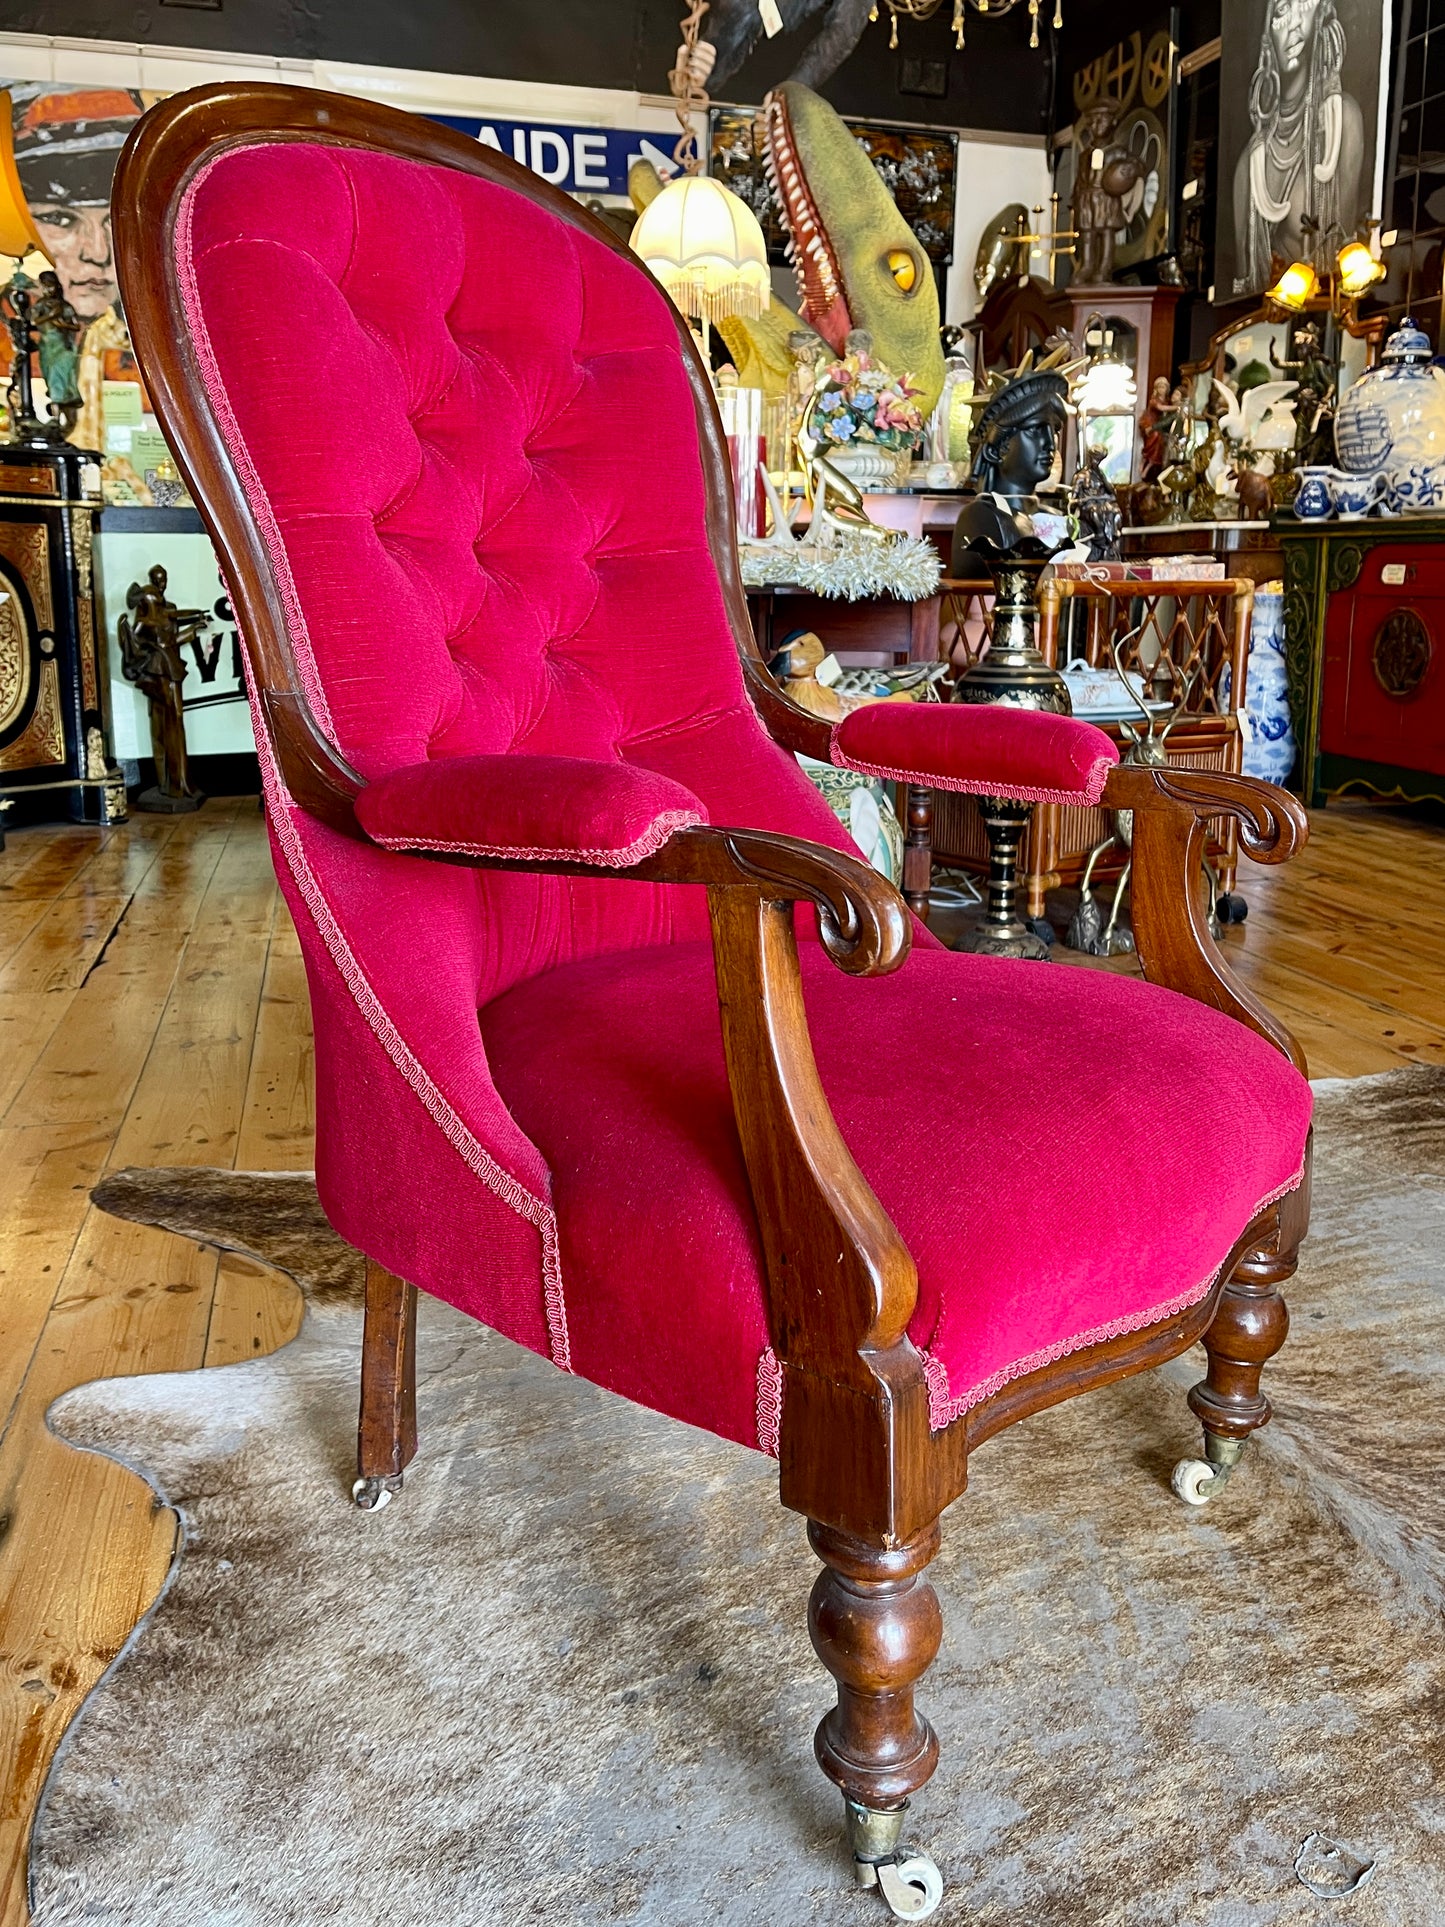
x=879, y=625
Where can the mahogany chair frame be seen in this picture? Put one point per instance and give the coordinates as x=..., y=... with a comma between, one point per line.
x=857, y=1458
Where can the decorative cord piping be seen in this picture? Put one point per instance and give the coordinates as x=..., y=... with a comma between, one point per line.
x=980, y=786
x=770, y=1403
x=269, y=529
x=657, y=833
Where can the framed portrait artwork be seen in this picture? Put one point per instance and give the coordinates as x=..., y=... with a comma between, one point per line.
x=1303, y=87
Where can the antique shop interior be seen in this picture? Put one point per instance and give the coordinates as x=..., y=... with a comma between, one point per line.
x=722, y=963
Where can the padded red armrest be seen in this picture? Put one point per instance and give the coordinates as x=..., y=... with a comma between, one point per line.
x=987, y=749
x=561, y=809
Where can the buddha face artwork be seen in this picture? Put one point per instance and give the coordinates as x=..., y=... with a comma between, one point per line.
x=1300, y=106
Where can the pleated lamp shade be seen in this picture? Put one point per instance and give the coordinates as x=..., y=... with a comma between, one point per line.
x=706, y=248
x=19, y=235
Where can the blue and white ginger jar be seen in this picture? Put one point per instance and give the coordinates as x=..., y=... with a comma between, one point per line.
x=1393, y=417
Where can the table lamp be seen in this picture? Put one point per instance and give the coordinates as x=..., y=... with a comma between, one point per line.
x=705, y=246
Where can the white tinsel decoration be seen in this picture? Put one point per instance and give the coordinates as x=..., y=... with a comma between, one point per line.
x=855, y=567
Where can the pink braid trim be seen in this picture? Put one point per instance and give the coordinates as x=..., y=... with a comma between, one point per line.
x=770, y=1403
x=943, y=1409
x=256, y=496
x=979, y=786
x=648, y=844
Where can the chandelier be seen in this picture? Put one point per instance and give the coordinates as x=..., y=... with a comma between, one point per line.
x=925, y=10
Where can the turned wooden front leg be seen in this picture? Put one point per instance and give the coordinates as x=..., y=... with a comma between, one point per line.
x=876, y=1626
x=1251, y=1322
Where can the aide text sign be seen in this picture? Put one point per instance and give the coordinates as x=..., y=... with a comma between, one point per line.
x=582, y=160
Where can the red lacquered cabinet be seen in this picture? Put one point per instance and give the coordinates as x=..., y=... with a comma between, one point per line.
x=1382, y=694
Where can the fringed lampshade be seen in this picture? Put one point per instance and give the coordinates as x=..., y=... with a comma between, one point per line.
x=706, y=248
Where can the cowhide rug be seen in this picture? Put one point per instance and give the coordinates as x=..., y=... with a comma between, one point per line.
x=566, y=1678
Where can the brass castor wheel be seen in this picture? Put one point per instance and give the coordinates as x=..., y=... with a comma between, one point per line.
x=910, y=1884
x=370, y=1495
x=1197, y=1481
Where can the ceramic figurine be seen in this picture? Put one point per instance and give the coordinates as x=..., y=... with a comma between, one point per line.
x=1154, y=426
x=1393, y=418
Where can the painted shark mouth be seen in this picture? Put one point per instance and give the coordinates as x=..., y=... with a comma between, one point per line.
x=820, y=281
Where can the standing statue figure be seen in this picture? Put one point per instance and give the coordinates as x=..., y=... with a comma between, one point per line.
x=1104, y=172
x=59, y=328
x=1095, y=506
x=1315, y=397
x=151, y=638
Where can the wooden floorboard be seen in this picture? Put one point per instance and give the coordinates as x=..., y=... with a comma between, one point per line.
x=153, y=1010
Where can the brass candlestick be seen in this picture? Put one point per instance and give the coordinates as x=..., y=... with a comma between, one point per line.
x=1013, y=673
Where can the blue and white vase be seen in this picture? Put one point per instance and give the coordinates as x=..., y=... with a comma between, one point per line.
x=1269, y=744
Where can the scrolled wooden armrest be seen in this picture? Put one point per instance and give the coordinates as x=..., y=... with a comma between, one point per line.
x=1172, y=808
x=1273, y=825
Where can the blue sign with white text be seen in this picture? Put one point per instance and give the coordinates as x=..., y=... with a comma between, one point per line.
x=583, y=160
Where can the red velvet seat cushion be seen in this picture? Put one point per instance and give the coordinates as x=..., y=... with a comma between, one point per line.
x=1067, y=1156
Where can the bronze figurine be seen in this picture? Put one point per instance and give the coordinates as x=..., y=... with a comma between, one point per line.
x=150, y=651
x=58, y=329
x=1104, y=172
x=1095, y=506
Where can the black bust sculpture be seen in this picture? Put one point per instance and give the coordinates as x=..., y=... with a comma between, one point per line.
x=1015, y=443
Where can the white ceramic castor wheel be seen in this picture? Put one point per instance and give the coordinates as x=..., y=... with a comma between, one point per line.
x=372, y=1495
x=911, y=1885
x=1196, y=1481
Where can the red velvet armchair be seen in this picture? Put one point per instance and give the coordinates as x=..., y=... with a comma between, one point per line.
x=828, y=1190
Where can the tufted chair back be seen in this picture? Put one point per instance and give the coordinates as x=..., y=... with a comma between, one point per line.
x=466, y=430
